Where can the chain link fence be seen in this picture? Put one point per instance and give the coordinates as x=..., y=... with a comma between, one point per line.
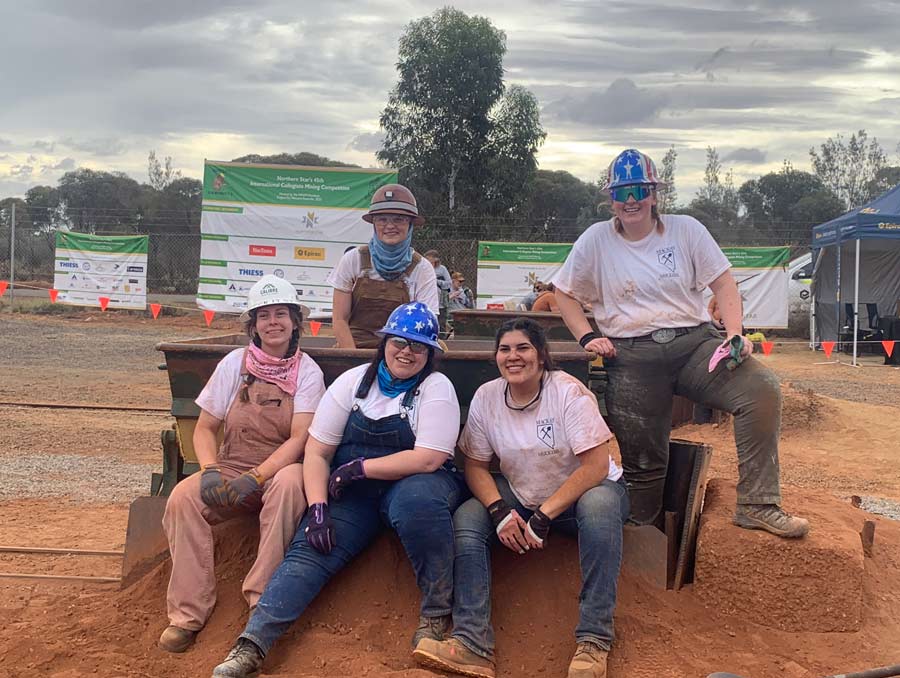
x=174, y=255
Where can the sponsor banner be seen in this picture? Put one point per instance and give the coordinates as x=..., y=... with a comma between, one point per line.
x=88, y=267
x=762, y=278
x=289, y=221
x=507, y=271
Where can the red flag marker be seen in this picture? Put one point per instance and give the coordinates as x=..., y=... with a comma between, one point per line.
x=3, y=286
x=888, y=346
x=767, y=347
x=828, y=347
x=155, y=309
x=315, y=326
x=209, y=316
x=53, y=294
x=104, y=302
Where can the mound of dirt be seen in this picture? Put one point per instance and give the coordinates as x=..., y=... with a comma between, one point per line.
x=802, y=409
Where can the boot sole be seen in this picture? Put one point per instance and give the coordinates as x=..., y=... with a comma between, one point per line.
x=432, y=661
x=752, y=524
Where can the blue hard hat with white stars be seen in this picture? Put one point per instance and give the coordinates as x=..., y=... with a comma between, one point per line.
x=632, y=167
x=413, y=321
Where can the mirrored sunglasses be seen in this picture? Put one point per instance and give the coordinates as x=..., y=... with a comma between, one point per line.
x=637, y=191
x=400, y=343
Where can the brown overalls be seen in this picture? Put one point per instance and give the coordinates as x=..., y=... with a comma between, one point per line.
x=373, y=300
x=253, y=431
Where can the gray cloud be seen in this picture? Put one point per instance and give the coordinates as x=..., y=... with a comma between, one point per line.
x=745, y=156
x=622, y=103
x=369, y=142
x=64, y=165
x=5, y=143
x=21, y=171
x=99, y=146
x=42, y=145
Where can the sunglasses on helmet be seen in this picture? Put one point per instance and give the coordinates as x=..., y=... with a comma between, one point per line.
x=637, y=191
x=400, y=343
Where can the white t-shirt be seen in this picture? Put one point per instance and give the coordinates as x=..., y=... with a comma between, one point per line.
x=537, y=447
x=421, y=283
x=433, y=416
x=219, y=392
x=637, y=287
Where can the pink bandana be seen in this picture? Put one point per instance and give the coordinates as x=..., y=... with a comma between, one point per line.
x=279, y=371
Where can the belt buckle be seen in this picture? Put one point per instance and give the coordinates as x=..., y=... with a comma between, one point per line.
x=663, y=336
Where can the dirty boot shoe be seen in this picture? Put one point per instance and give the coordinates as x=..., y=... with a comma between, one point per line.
x=589, y=662
x=244, y=661
x=771, y=518
x=436, y=628
x=452, y=656
x=176, y=639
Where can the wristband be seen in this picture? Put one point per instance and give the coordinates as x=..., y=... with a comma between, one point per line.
x=499, y=512
x=587, y=338
x=538, y=526
x=257, y=476
x=214, y=466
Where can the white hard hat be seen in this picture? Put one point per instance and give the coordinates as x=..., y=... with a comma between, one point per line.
x=270, y=290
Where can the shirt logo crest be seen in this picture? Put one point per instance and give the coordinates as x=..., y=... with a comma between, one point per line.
x=545, y=435
x=666, y=257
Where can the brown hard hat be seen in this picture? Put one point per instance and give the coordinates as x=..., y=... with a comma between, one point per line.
x=394, y=199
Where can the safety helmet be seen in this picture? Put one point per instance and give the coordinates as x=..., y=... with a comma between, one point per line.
x=394, y=199
x=632, y=167
x=270, y=290
x=413, y=321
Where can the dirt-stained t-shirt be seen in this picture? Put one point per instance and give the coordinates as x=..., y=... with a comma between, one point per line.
x=637, y=287
x=537, y=447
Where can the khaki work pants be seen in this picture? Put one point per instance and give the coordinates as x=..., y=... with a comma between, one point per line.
x=188, y=524
x=645, y=375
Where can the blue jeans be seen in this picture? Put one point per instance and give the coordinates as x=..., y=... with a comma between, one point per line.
x=418, y=508
x=596, y=519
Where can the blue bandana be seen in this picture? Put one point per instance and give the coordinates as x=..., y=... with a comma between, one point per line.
x=391, y=260
x=390, y=386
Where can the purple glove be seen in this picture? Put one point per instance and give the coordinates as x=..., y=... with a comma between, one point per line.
x=320, y=529
x=344, y=475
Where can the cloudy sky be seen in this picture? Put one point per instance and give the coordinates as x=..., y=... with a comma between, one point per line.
x=99, y=83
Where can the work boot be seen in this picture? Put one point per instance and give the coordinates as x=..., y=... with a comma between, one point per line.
x=771, y=518
x=589, y=661
x=435, y=628
x=452, y=656
x=176, y=639
x=244, y=661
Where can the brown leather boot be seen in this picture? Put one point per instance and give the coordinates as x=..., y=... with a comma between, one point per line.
x=771, y=518
x=176, y=639
x=452, y=656
x=589, y=662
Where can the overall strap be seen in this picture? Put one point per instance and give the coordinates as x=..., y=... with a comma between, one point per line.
x=365, y=258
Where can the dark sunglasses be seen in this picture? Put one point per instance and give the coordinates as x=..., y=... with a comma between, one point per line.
x=400, y=343
x=637, y=191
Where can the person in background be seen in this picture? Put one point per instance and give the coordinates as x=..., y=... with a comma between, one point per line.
x=546, y=301
x=371, y=280
x=545, y=428
x=460, y=297
x=264, y=397
x=529, y=299
x=380, y=454
x=644, y=274
x=444, y=283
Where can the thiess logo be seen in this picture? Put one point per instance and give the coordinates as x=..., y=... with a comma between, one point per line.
x=68, y=264
x=250, y=271
x=262, y=251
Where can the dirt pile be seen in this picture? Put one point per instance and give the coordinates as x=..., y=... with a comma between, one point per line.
x=362, y=621
x=802, y=409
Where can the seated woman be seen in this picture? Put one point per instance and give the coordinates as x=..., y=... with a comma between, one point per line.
x=546, y=301
x=264, y=395
x=379, y=452
x=546, y=430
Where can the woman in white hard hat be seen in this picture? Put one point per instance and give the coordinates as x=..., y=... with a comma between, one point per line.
x=379, y=455
x=370, y=281
x=644, y=275
x=265, y=396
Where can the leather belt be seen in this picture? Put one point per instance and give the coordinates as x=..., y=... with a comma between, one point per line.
x=665, y=335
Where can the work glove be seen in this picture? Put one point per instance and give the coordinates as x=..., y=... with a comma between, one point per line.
x=243, y=488
x=213, y=488
x=319, y=529
x=538, y=526
x=345, y=475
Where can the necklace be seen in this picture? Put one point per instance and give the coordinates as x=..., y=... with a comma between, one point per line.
x=507, y=397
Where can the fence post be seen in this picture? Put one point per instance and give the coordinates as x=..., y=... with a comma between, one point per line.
x=12, y=257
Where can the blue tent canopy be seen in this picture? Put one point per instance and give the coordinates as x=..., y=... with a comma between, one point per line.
x=879, y=218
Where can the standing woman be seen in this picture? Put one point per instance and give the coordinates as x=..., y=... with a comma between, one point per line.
x=379, y=454
x=265, y=396
x=546, y=430
x=644, y=275
x=370, y=281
